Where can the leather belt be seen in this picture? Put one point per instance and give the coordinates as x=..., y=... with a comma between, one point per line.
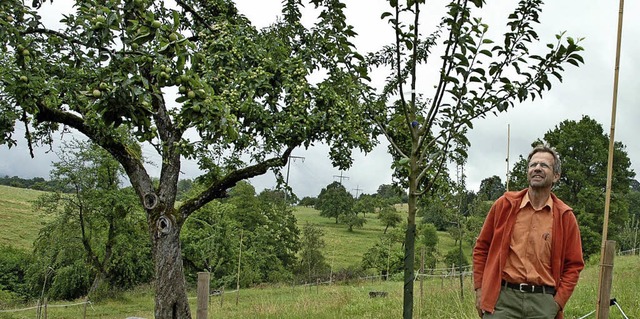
x=530, y=288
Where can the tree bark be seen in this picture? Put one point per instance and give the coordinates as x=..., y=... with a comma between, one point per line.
x=409, y=250
x=171, y=297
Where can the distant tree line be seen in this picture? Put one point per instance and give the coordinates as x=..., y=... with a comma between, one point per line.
x=37, y=183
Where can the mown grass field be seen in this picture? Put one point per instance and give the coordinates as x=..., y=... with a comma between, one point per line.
x=343, y=248
x=19, y=222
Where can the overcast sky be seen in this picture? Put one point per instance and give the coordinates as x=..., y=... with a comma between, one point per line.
x=587, y=90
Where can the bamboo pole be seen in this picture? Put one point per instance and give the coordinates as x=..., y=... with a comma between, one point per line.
x=601, y=280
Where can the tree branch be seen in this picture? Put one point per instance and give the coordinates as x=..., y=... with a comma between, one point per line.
x=218, y=189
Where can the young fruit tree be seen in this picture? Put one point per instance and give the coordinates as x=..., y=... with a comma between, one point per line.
x=189, y=79
x=426, y=122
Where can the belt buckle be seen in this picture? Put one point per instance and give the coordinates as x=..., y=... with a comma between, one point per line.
x=524, y=285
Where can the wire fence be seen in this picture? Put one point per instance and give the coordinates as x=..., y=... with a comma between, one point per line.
x=630, y=252
x=46, y=305
x=451, y=272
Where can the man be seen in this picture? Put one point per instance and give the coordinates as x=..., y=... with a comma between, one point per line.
x=528, y=256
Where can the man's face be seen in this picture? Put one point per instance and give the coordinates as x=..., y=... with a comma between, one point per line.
x=540, y=173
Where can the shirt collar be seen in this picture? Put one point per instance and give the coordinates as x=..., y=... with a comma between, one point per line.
x=525, y=201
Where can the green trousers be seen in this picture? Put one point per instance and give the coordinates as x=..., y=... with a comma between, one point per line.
x=513, y=304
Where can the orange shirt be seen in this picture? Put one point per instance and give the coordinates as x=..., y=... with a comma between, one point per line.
x=529, y=257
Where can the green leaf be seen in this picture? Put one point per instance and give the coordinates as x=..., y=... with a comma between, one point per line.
x=176, y=21
x=574, y=62
x=486, y=52
x=408, y=44
x=576, y=57
x=143, y=38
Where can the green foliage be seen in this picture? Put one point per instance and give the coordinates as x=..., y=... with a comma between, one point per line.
x=385, y=256
x=491, y=188
x=428, y=238
x=211, y=239
x=352, y=220
x=366, y=203
x=456, y=258
x=334, y=201
x=389, y=217
x=277, y=196
x=13, y=264
x=518, y=176
x=312, y=264
x=391, y=194
x=628, y=236
x=308, y=201
x=184, y=187
x=37, y=183
x=438, y=211
x=103, y=227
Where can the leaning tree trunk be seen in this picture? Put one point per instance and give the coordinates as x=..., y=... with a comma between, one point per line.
x=171, y=297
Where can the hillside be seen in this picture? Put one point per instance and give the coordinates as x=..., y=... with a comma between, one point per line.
x=21, y=224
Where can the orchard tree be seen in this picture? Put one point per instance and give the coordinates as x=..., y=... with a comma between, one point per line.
x=366, y=203
x=426, y=125
x=335, y=201
x=307, y=201
x=351, y=219
x=391, y=194
x=187, y=80
x=429, y=239
x=389, y=217
x=312, y=262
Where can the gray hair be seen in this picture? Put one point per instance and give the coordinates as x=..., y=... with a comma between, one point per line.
x=557, y=165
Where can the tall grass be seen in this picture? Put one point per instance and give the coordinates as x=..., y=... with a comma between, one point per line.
x=440, y=299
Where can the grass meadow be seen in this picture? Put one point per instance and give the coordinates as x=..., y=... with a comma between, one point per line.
x=440, y=297
x=19, y=222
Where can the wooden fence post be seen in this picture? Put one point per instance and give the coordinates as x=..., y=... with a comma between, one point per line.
x=203, y=295
x=221, y=295
x=45, y=307
x=84, y=310
x=604, y=295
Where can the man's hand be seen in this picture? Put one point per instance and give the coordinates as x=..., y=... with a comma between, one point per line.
x=478, y=297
